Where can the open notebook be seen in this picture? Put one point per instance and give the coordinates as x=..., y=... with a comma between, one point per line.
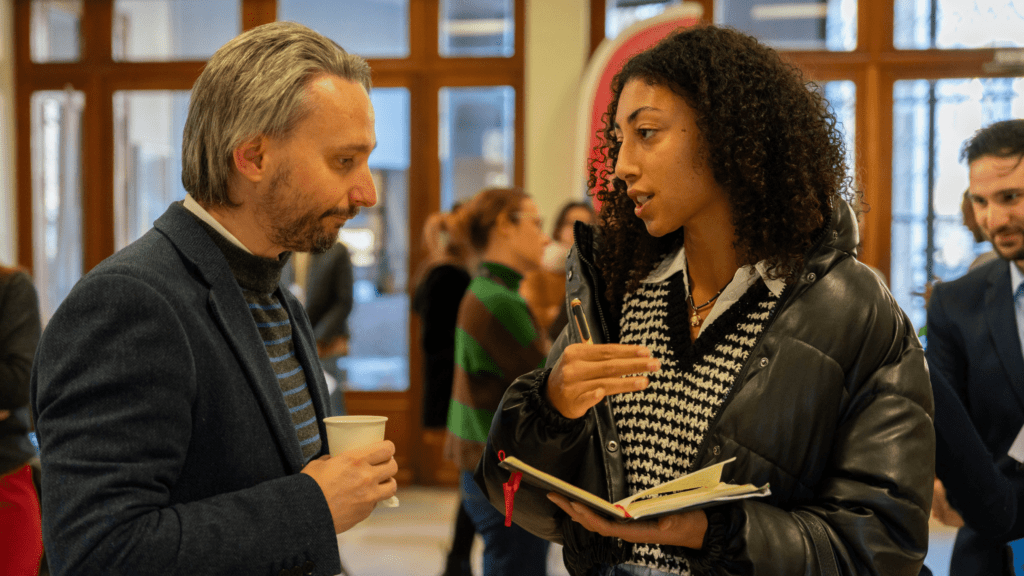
x=695, y=490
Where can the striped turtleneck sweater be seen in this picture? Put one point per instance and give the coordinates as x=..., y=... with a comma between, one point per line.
x=496, y=341
x=258, y=278
x=662, y=427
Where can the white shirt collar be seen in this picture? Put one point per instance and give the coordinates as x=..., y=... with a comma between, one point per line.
x=192, y=206
x=745, y=277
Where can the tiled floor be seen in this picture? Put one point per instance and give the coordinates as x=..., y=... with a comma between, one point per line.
x=412, y=540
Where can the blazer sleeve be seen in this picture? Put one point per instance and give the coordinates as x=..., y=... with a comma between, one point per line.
x=19, y=335
x=945, y=352
x=985, y=497
x=112, y=393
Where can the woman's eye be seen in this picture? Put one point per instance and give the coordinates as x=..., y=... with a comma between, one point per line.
x=645, y=133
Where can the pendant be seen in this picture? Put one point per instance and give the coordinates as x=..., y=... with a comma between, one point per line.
x=694, y=319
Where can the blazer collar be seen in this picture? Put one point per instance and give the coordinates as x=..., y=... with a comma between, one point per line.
x=228, y=309
x=999, y=314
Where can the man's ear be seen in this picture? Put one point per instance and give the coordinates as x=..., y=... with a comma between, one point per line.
x=248, y=158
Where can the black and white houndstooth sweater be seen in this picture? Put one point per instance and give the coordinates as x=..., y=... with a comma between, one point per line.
x=662, y=427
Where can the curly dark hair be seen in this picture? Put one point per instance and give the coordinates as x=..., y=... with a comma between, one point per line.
x=771, y=141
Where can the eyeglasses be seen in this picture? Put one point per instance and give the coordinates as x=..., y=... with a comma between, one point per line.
x=536, y=218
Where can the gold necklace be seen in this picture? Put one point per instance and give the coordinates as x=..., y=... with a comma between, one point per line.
x=695, y=319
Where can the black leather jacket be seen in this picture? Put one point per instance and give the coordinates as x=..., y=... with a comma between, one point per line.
x=832, y=408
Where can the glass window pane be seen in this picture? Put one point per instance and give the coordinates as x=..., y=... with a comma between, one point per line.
x=621, y=14
x=954, y=24
x=842, y=96
x=476, y=28
x=931, y=121
x=163, y=30
x=56, y=118
x=148, y=129
x=794, y=24
x=56, y=30
x=370, y=28
x=378, y=241
x=477, y=147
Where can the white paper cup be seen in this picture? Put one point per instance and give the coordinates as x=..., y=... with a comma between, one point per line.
x=346, y=433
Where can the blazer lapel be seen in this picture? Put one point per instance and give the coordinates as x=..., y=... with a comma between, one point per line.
x=1002, y=324
x=230, y=312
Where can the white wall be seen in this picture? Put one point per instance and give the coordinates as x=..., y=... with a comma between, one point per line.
x=8, y=229
x=557, y=39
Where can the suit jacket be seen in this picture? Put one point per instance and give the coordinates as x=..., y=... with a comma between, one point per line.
x=973, y=344
x=166, y=444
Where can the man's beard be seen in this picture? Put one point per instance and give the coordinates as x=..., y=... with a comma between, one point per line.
x=294, y=230
x=1012, y=256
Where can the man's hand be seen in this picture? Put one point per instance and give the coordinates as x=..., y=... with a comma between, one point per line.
x=941, y=510
x=354, y=481
x=683, y=529
x=586, y=373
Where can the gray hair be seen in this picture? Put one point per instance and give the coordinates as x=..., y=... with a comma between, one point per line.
x=254, y=85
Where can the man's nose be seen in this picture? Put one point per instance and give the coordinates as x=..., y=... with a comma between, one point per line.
x=365, y=192
x=996, y=217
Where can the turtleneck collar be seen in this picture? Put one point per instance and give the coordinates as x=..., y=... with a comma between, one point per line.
x=507, y=276
x=252, y=272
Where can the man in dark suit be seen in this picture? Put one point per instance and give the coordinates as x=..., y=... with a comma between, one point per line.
x=976, y=323
x=177, y=392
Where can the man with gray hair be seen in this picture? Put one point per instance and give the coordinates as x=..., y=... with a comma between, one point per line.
x=177, y=394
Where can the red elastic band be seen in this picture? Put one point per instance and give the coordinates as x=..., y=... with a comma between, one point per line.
x=623, y=510
x=510, y=488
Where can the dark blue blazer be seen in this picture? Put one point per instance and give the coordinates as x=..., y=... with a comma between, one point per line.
x=974, y=346
x=166, y=445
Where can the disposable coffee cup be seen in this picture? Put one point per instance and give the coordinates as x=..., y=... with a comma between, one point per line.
x=346, y=433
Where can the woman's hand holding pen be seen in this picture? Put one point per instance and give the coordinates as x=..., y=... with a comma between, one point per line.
x=586, y=373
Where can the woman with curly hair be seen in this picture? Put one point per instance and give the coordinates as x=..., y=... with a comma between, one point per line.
x=730, y=322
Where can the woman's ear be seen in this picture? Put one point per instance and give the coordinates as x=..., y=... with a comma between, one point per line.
x=248, y=158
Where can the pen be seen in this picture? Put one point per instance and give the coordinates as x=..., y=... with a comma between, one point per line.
x=581, y=321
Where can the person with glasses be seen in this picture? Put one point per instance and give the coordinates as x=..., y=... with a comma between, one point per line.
x=496, y=340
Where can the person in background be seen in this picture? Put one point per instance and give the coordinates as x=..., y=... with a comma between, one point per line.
x=976, y=324
x=711, y=286
x=544, y=288
x=21, y=543
x=496, y=340
x=177, y=393
x=329, y=303
x=967, y=211
x=439, y=290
